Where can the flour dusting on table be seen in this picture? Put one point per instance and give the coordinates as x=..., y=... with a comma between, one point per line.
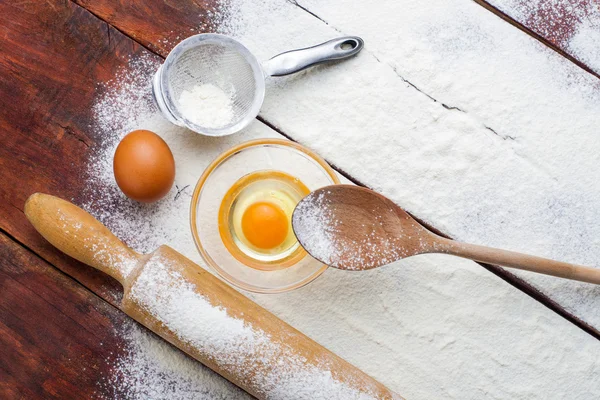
x=126, y=106
x=445, y=327
x=151, y=368
x=459, y=117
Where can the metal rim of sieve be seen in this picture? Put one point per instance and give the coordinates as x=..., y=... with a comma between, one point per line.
x=165, y=96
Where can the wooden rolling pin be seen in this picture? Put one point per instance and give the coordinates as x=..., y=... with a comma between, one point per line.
x=202, y=315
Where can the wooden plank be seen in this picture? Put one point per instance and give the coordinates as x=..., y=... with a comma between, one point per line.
x=552, y=23
x=55, y=335
x=156, y=24
x=52, y=56
x=178, y=20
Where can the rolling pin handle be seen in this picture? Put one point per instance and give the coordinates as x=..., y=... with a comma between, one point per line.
x=79, y=235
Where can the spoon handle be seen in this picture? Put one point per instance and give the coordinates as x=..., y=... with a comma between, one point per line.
x=516, y=260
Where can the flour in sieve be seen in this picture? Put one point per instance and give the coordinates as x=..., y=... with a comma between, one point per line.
x=207, y=105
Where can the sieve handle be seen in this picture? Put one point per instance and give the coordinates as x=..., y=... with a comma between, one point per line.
x=296, y=60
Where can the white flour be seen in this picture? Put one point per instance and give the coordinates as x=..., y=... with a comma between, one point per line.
x=163, y=373
x=584, y=43
x=316, y=226
x=429, y=326
x=313, y=223
x=153, y=369
x=206, y=105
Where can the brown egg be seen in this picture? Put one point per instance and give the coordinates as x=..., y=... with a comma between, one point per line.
x=144, y=166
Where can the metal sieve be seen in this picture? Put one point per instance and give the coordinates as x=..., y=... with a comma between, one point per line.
x=225, y=63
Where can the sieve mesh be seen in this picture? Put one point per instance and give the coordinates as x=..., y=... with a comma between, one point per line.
x=220, y=64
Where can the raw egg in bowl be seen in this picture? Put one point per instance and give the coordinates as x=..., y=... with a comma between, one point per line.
x=241, y=214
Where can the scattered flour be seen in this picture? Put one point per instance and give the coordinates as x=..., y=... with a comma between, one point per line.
x=207, y=105
x=573, y=25
x=124, y=105
x=585, y=43
x=150, y=368
x=445, y=327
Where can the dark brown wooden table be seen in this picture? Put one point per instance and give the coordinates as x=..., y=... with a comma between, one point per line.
x=56, y=315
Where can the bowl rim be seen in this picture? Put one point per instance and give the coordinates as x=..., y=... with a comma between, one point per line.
x=200, y=185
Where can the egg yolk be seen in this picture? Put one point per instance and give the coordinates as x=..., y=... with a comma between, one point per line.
x=265, y=225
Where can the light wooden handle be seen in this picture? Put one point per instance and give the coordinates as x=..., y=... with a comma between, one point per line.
x=81, y=236
x=525, y=262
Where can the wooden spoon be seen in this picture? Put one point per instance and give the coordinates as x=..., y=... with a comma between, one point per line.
x=353, y=228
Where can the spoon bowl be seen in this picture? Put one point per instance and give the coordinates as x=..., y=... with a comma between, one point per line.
x=354, y=228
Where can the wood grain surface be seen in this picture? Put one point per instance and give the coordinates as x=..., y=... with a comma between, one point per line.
x=157, y=25
x=56, y=337
x=52, y=57
x=552, y=23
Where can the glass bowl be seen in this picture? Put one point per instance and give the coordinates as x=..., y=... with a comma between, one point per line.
x=236, y=163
